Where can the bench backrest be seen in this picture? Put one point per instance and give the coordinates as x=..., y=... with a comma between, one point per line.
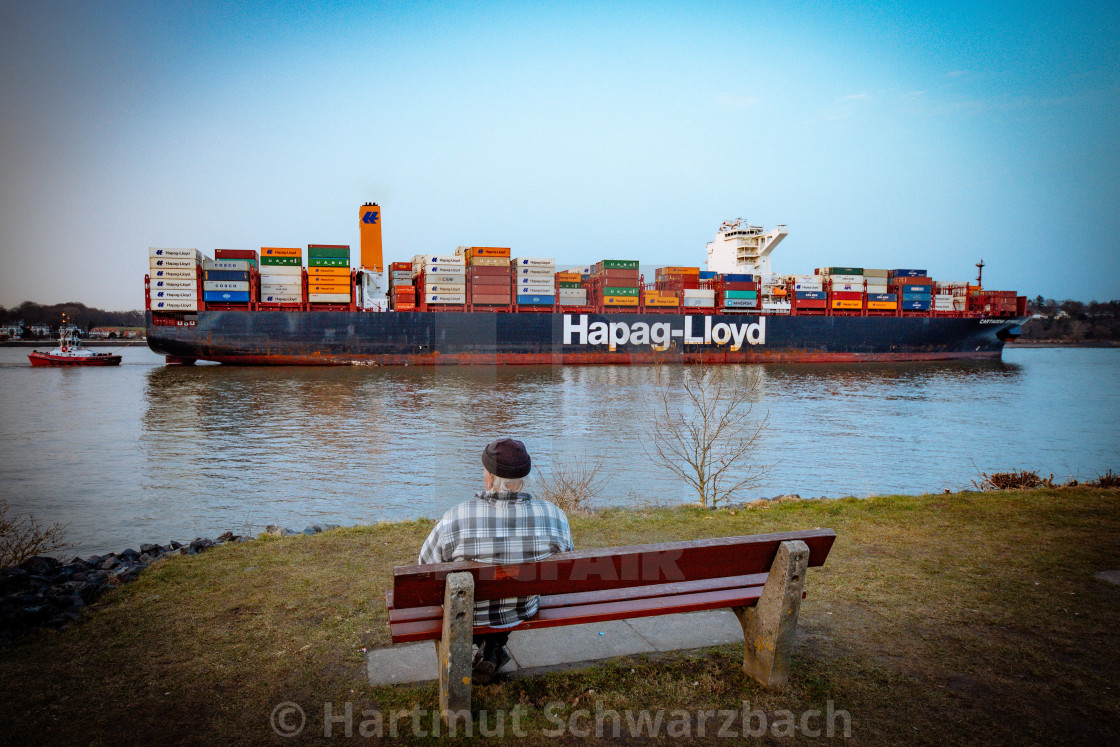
x=608, y=568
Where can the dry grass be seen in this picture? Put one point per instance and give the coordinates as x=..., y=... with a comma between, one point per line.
x=22, y=537
x=970, y=618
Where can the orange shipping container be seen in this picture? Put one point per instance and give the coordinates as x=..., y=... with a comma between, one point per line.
x=678, y=271
x=488, y=251
x=342, y=274
x=662, y=301
x=620, y=300
x=325, y=288
x=848, y=305
x=281, y=251
x=882, y=305
x=568, y=277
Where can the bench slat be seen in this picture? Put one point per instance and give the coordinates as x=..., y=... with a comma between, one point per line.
x=608, y=568
x=434, y=612
x=425, y=630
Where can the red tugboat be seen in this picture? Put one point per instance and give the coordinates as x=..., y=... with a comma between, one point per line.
x=71, y=352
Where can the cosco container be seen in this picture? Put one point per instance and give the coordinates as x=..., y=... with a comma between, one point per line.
x=225, y=285
x=219, y=296
x=237, y=265
x=225, y=275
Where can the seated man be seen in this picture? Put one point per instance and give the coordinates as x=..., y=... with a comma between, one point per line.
x=502, y=524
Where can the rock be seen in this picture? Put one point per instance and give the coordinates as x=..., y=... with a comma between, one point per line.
x=147, y=548
x=176, y=545
x=227, y=537
x=94, y=560
x=39, y=565
x=124, y=574
x=66, y=617
x=202, y=543
x=190, y=551
x=329, y=527
x=146, y=559
x=288, y=532
x=128, y=554
x=109, y=563
x=273, y=530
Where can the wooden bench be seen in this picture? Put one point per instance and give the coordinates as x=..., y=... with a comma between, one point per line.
x=761, y=578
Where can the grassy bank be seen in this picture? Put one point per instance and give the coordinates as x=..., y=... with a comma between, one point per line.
x=965, y=618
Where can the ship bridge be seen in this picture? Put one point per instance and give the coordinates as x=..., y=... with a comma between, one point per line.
x=741, y=247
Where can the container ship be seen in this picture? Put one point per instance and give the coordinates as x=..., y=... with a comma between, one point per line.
x=484, y=305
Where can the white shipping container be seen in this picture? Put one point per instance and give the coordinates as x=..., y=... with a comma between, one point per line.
x=155, y=252
x=281, y=297
x=176, y=295
x=449, y=278
x=395, y=283
x=807, y=286
x=699, y=293
x=578, y=294
x=177, y=273
x=439, y=269
x=533, y=262
x=159, y=263
x=542, y=272
x=446, y=297
x=160, y=284
x=241, y=265
x=440, y=288
x=534, y=290
x=225, y=285
x=875, y=273
x=943, y=302
x=400, y=274
x=281, y=289
x=281, y=271
x=539, y=280
x=848, y=287
x=438, y=259
x=703, y=303
x=328, y=297
x=846, y=280
x=174, y=305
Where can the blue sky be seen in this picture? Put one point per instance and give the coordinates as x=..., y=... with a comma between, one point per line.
x=884, y=135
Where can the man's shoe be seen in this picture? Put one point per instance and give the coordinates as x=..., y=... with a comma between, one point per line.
x=484, y=670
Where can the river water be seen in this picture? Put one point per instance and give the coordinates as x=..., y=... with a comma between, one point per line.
x=150, y=453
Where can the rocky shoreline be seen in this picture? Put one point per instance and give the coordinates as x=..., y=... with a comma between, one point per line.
x=44, y=592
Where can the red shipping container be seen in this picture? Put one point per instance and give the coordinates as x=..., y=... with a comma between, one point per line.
x=475, y=272
x=404, y=305
x=846, y=296
x=404, y=290
x=496, y=281
x=400, y=267
x=739, y=286
x=619, y=278
x=490, y=298
x=810, y=304
x=235, y=254
x=911, y=281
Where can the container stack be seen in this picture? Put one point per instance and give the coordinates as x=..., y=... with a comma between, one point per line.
x=618, y=281
x=226, y=281
x=914, y=289
x=489, y=275
x=402, y=293
x=328, y=274
x=676, y=278
x=663, y=299
x=846, y=286
x=442, y=277
x=173, y=277
x=700, y=298
x=739, y=292
x=281, y=275
x=570, y=290
x=999, y=303
x=879, y=297
x=534, y=281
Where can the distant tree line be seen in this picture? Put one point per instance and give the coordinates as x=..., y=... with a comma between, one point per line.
x=76, y=313
x=1073, y=321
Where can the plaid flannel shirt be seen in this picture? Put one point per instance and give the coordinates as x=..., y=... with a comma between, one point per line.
x=499, y=528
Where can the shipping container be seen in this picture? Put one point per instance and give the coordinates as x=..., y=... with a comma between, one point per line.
x=707, y=275
x=328, y=262
x=540, y=272
x=225, y=296
x=737, y=277
x=281, y=262
x=817, y=286
x=663, y=301
x=242, y=265
x=176, y=295
x=503, y=271
x=225, y=285
x=225, y=275
x=884, y=274
x=444, y=289
x=856, y=296
x=906, y=273
x=567, y=277
x=535, y=300
x=191, y=305
x=282, y=271
x=441, y=269
x=740, y=303
x=281, y=297
x=882, y=305
x=846, y=304
x=534, y=262
x=840, y=271
x=619, y=291
x=487, y=251
x=281, y=289
x=174, y=284
x=848, y=288
x=155, y=252
x=162, y=263
x=328, y=297
x=616, y=264
x=332, y=251
x=846, y=280
x=701, y=303
x=570, y=285
x=699, y=293
x=488, y=262
x=923, y=289
x=438, y=259
x=288, y=252
x=620, y=300
x=491, y=280
x=331, y=288
x=487, y=299
x=915, y=305
x=248, y=254
x=881, y=297
x=677, y=271
x=178, y=274
x=439, y=298
x=811, y=295
x=544, y=281
x=400, y=267
x=740, y=294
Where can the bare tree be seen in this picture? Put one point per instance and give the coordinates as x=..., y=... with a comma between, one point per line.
x=22, y=536
x=703, y=432
x=572, y=485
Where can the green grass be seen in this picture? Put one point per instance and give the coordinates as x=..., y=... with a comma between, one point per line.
x=970, y=618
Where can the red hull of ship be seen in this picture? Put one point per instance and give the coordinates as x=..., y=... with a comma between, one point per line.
x=46, y=359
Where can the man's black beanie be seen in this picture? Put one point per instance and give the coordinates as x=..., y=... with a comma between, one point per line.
x=506, y=457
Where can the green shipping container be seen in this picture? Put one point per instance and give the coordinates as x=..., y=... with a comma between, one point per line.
x=845, y=270
x=620, y=291
x=740, y=294
x=289, y=261
x=619, y=264
x=570, y=285
x=328, y=261
x=328, y=251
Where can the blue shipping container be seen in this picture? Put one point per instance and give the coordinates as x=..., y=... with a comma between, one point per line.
x=915, y=296
x=925, y=289
x=707, y=274
x=811, y=295
x=881, y=297
x=226, y=296
x=915, y=305
x=226, y=275
x=536, y=300
x=908, y=273
x=736, y=278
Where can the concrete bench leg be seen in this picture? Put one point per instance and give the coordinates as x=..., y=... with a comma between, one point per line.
x=455, y=649
x=768, y=627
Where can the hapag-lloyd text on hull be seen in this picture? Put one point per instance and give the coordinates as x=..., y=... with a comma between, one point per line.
x=580, y=330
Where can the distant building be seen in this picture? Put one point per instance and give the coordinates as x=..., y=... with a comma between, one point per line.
x=40, y=330
x=73, y=329
x=13, y=330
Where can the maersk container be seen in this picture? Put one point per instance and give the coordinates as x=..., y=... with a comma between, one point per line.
x=811, y=295
x=225, y=285
x=218, y=296
x=535, y=300
x=740, y=303
x=174, y=285
x=225, y=275
x=176, y=295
